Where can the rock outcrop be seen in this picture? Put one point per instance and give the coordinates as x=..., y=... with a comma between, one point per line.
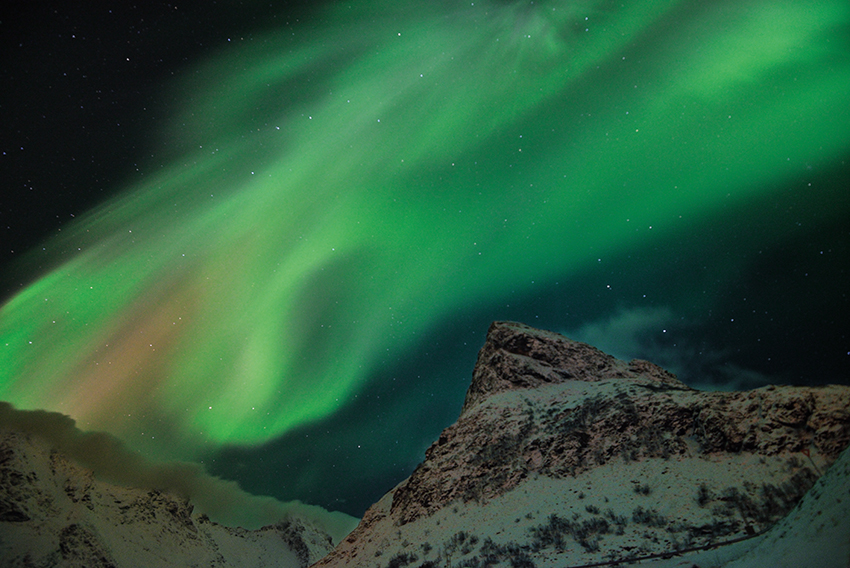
x=563, y=455
x=56, y=513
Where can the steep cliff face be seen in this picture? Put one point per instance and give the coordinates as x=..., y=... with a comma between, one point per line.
x=565, y=455
x=55, y=513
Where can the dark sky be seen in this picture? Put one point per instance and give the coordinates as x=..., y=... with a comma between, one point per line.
x=83, y=97
x=728, y=293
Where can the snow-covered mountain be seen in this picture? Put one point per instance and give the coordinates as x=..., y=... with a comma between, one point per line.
x=565, y=456
x=55, y=513
x=562, y=456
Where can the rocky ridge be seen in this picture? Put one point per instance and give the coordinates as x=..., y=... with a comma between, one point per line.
x=564, y=455
x=56, y=513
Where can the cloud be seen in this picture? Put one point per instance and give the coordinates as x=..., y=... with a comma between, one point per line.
x=673, y=342
x=223, y=501
x=628, y=334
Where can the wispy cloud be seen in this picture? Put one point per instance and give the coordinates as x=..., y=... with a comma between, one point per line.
x=673, y=342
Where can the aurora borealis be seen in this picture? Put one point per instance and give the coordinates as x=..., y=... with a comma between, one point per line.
x=346, y=201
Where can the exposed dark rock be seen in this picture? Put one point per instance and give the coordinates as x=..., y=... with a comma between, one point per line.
x=644, y=412
x=543, y=406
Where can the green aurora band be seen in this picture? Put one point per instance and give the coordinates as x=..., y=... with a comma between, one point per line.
x=339, y=196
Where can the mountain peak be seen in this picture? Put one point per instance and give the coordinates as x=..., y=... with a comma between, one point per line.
x=517, y=356
x=564, y=455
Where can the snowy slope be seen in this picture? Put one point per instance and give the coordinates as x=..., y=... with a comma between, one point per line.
x=55, y=513
x=564, y=456
x=816, y=534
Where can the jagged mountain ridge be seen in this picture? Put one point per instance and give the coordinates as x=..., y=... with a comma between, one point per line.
x=55, y=513
x=563, y=455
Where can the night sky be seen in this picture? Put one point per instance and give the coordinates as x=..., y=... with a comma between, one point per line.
x=271, y=239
